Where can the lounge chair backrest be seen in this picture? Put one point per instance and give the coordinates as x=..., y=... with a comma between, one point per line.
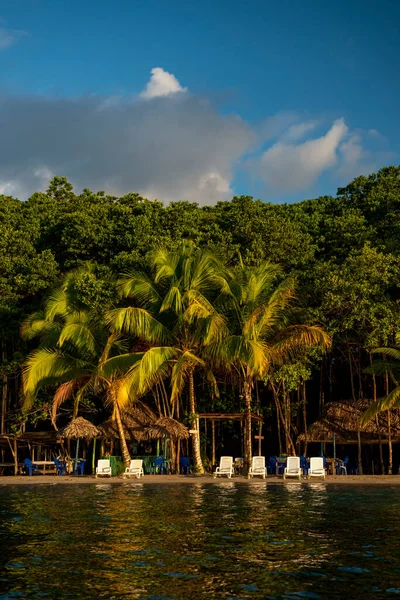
x=258, y=462
x=103, y=464
x=226, y=462
x=28, y=462
x=317, y=463
x=293, y=463
x=136, y=463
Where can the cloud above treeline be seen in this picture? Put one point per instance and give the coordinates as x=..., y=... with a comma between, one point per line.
x=167, y=143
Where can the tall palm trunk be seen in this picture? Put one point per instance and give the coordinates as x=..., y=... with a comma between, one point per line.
x=247, y=387
x=4, y=392
x=198, y=463
x=122, y=440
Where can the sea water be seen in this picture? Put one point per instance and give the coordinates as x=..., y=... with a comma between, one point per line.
x=199, y=540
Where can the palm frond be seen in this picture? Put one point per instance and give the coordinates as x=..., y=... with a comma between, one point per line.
x=154, y=366
x=172, y=300
x=138, y=322
x=117, y=365
x=139, y=286
x=80, y=336
x=392, y=352
x=392, y=400
x=296, y=337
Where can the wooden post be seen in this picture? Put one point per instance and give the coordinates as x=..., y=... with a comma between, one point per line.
x=15, y=457
x=94, y=455
x=213, y=442
x=259, y=438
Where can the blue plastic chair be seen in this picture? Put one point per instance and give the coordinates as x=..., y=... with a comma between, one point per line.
x=158, y=465
x=280, y=469
x=304, y=464
x=80, y=467
x=185, y=465
x=30, y=467
x=60, y=467
x=271, y=465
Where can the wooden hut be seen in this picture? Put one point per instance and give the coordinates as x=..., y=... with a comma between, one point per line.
x=342, y=420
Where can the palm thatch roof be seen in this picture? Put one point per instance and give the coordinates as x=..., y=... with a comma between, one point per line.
x=167, y=427
x=141, y=424
x=342, y=419
x=79, y=428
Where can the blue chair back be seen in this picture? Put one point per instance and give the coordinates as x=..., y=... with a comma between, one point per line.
x=158, y=463
x=304, y=464
x=28, y=463
x=185, y=465
x=272, y=461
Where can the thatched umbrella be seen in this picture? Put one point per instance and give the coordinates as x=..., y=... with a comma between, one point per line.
x=135, y=422
x=79, y=428
x=167, y=427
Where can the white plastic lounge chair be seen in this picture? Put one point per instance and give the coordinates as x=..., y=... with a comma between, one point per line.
x=292, y=468
x=257, y=467
x=225, y=467
x=317, y=467
x=135, y=468
x=103, y=468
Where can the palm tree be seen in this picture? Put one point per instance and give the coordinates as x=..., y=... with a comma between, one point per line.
x=175, y=316
x=261, y=334
x=74, y=346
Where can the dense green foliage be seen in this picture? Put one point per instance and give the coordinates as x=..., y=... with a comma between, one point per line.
x=343, y=252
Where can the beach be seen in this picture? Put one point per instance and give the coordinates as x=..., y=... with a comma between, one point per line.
x=197, y=479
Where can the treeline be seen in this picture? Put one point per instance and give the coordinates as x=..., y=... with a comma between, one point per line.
x=343, y=252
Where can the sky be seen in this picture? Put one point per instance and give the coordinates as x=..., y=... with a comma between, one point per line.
x=200, y=101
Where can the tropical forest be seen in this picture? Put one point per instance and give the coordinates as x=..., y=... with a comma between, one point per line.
x=266, y=309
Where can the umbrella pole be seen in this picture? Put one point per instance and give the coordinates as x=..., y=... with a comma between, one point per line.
x=76, y=456
x=93, y=454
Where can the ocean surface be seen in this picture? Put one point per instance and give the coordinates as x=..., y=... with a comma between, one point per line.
x=226, y=540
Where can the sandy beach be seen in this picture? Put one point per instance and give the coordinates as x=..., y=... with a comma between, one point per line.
x=196, y=479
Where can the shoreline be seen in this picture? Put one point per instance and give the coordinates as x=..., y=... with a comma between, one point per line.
x=195, y=479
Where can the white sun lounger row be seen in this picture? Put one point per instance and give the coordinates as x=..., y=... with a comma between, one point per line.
x=135, y=468
x=258, y=467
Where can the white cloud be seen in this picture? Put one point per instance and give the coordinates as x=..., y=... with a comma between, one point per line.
x=161, y=83
x=176, y=147
x=173, y=148
x=9, y=37
x=295, y=166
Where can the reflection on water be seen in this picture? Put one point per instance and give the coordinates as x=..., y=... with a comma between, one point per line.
x=226, y=540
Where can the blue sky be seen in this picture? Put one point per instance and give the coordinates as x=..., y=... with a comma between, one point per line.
x=282, y=101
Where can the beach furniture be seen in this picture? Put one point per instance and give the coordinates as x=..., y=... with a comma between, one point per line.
x=304, y=465
x=225, y=467
x=80, y=467
x=103, y=468
x=135, y=468
x=342, y=466
x=317, y=467
x=30, y=466
x=292, y=468
x=60, y=467
x=257, y=467
x=185, y=465
x=159, y=465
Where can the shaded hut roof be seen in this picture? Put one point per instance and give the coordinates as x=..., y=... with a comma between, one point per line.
x=79, y=428
x=141, y=424
x=343, y=418
x=165, y=426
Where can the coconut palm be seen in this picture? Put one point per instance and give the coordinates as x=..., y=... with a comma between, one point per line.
x=262, y=332
x=74, y=344
x=175, y=316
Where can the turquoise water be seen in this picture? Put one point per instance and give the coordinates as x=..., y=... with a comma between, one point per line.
x=225, y=540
